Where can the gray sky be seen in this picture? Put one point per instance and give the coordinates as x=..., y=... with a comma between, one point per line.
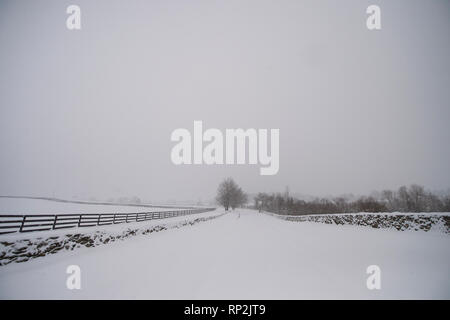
x=91, y=112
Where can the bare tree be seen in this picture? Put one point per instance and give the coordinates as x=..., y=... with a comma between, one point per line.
x=403, y=199
x=229, y=194
x=417, y=198
x=388, y=197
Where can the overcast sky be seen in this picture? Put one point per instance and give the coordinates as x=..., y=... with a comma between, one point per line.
x=90, y=112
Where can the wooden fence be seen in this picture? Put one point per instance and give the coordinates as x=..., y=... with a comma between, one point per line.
x=29, y=223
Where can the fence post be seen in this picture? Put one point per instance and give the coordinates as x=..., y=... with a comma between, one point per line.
x=79, y=221
x=54, y=221
x=98, y=220
x=23, y=222
x=114, y=218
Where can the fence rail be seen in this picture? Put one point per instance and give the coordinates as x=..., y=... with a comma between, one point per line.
x=30, y=223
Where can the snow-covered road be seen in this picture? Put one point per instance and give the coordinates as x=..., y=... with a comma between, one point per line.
x=244, y=255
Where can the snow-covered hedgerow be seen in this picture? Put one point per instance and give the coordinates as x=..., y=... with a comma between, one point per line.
x=401, y=222
x=22, y=250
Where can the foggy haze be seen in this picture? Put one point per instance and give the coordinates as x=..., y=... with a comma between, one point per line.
x=90, y=112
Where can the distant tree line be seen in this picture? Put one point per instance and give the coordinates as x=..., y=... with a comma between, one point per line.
x=406, y=199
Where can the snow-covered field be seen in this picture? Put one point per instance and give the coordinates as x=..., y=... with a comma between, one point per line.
x=37, y=206
x=244, y=255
